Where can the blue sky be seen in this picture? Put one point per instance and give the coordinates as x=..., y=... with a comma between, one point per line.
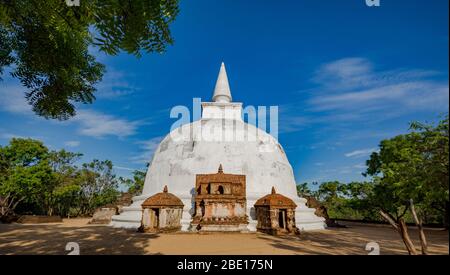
x=344, y=77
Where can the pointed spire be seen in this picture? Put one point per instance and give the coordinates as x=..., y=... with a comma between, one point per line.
x=220, y=169
x=273, y=190
x=222, y=91
x=165, y=189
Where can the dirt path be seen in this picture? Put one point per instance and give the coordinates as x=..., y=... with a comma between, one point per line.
x=98, y=239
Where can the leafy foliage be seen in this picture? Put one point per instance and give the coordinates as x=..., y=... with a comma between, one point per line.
x=98, y=185
x=38, y=181
x=26, y=173
x=342, y=200
x=136, y=184
x=47, y=44
x=414, y=167
x=303, y=190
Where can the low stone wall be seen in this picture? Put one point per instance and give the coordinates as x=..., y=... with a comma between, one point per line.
x=39, y=219
x=103, y=215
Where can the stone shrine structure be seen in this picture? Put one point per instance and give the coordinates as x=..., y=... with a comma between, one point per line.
x=220, y=202
x=161, y=212
x=276, y=214
x=220, y=136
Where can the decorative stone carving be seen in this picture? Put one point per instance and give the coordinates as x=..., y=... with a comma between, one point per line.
x=220, y=202
x=275, y=214
x=161, y=213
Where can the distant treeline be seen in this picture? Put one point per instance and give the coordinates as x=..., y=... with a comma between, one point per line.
x=36, y=180
x=408, y=180
x=407, y=167
x=348, y=202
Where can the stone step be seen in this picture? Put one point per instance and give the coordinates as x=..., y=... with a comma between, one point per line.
x=125, y=225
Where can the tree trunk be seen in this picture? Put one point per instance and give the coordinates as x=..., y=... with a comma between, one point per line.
x=400, y=227
x=389, y=219
x=403, y=230
x=423, y=240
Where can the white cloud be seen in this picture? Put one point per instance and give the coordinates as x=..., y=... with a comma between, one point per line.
x=10, y=136
x=361, y=152
x=147, y=148
x=124, y=168
x=351, y=84
x=407, y=96
x=360, y=166
x=114, y=85
x=97, y=124
x=357, y=73
x=72, y=143
x=91, y=123
x=344, y=72
x=13, y=99
x=351, y=90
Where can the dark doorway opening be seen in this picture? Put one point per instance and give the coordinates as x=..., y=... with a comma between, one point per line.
x=155, y=221
x=202, y=208
x=282, y=218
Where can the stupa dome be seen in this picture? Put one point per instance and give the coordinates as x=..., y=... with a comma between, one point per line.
x=259, y=156
x=220, y=137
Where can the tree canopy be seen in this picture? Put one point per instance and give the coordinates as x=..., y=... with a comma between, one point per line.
x=414, y=167
x=136, y=184
x=36, y=180
x=46, y=45
x=409, y=182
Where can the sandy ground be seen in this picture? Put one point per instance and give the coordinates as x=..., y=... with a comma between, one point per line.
x=100, y=239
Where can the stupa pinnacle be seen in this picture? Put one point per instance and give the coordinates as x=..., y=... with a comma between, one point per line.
x=222, y=91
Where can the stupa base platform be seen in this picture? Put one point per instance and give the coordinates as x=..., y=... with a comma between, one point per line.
x=131, y=216
x=219, y=227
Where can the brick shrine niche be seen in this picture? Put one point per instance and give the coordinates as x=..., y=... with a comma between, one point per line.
x=220, y=202
x=276, y=214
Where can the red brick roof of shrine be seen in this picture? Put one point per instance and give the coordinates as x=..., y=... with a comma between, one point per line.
x=275, y=200
x=162, y=199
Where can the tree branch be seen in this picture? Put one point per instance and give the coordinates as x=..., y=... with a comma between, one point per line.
x=389, y=218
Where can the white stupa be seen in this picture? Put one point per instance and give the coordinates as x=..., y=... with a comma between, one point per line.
x=219, y=137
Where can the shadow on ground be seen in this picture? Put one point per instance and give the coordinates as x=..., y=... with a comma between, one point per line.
x=102, y=239
x=353, y=240
x=52, y=239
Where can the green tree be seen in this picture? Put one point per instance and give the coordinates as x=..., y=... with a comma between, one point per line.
x=303, y=190
x=25, y=174
x=408, y=171
x=328, y=190
x=64, y=196
x=136, y=184
x=433, y=144
x=38, y=181
x=46, y=44
x=357, y=194
x=395, y=177
x=335, y=197
x=98, y=185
